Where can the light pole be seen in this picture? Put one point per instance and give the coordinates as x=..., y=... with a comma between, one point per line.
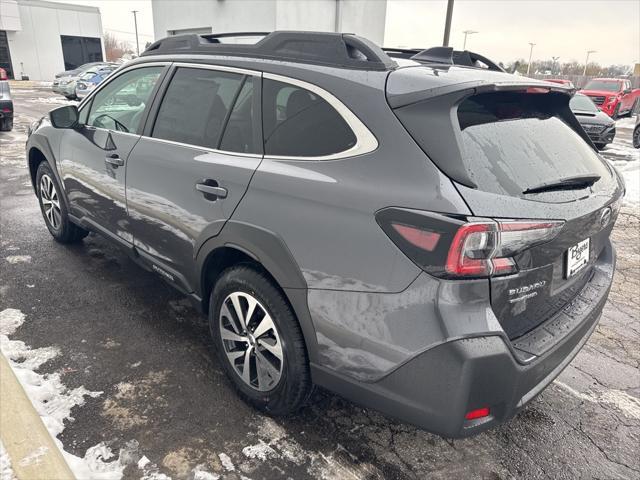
x=447, y=23
x=135, y=23
x=553, y=66
x=530, y=55
x=586, y=62
x=467, y=32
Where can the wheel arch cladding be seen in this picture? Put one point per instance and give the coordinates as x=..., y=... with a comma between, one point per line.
x=35, y=158
x=239, y=242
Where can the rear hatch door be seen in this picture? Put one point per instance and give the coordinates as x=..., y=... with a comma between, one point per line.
x=515, y=151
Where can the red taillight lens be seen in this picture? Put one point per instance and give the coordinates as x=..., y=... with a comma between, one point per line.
x=485, y=248
x=478, y=413
x=459, y=247
x=6, y=110
x=417, y=237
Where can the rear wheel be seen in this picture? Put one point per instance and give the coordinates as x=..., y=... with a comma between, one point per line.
x=259, y=341
x=54, y=210
x=636, y=136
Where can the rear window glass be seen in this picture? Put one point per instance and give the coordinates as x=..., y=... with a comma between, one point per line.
x=582, y=103
x=195, y=106
x=299, y=123
x=512, y=141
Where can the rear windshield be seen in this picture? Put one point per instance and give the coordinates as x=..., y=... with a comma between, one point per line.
x=513, y=141
x=582, y=103
x=602, y=85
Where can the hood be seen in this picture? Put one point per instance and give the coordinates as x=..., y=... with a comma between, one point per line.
x=588, y=117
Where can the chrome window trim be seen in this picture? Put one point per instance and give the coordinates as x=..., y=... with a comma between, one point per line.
x=205, y=149
x=366, y=142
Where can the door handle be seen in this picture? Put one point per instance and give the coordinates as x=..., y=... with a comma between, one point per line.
x=114, y=160
x=211, y=188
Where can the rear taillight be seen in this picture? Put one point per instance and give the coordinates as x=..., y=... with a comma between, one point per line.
x=452, y=247
x=482, y=249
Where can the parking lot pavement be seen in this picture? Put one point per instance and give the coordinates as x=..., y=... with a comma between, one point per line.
x=120, y=366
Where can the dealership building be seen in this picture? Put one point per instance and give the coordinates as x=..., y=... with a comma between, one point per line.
x=363, y=17
x=39, y=39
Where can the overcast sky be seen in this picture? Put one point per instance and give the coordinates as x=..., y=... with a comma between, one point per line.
x=564, y=28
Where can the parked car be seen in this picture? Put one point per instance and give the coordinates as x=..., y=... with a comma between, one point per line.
x=74, y=72
x=636, y=133
x=91, y=79
x=6, y=107
x=66, y=85
x=613, y=96
x=423, y=238
x=561, y=81
x=600, y=127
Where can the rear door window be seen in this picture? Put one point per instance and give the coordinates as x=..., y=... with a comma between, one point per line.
x=299, y=123
x=196, y=105
x=512, y=141
x=239, y=134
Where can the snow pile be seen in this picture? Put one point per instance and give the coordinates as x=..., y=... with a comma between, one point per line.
x=630, y=171
x=52, y=399
x=6, y=472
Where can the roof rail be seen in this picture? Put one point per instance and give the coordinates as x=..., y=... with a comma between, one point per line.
x=343, y=50
x=444, y=56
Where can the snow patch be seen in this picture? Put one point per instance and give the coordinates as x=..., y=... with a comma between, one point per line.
x=6, y=472
x=52, y=399
x=18, y=259
x=260, y=450
x=627, y=404
x=34, y=457
x=226, y=462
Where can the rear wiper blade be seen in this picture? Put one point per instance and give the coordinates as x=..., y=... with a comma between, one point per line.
x=569, y=183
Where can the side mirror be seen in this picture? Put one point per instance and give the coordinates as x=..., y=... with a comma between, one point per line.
x=64, y=117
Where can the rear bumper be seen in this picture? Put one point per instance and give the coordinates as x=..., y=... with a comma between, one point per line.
x=435, y=389
x=6, y=109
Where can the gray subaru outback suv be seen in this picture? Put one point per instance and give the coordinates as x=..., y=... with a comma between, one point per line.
x=419, y=232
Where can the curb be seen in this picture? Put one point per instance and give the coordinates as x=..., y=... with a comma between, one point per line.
x=34, y=454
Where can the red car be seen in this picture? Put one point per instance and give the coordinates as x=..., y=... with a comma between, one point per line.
x=613, y=96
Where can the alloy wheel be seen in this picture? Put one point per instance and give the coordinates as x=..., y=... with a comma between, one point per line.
x=50, y=202
x=251, y=341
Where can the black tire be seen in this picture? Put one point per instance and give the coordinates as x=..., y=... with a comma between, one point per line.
x=61, y=228
x=636, y=136
x=294, y=385
x=6, y=125
x=600, y=146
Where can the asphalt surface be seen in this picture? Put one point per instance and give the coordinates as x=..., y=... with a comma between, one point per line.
x=124, y=332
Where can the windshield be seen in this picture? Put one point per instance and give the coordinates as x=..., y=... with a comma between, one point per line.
x=603, y=85
x=512, y=142
x=582, y=103
x=87, y=76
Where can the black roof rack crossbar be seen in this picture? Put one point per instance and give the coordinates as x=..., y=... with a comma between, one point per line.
x=343, y=50
x=444, y=56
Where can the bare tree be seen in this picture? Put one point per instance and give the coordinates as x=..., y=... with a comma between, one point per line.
x=114, y=49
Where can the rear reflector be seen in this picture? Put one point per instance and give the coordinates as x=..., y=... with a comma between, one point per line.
x=477, y=413
x=417, y=237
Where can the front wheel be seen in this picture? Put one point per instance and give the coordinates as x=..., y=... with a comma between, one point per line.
x=259, y=341
x=54, y=210
x=636, y=137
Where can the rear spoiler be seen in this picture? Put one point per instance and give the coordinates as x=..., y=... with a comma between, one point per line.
x=473, y=87
x=444, y=56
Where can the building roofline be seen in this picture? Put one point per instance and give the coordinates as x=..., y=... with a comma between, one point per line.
x=58, y=6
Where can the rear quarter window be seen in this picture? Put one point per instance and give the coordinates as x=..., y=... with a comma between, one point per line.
x=300, y=123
